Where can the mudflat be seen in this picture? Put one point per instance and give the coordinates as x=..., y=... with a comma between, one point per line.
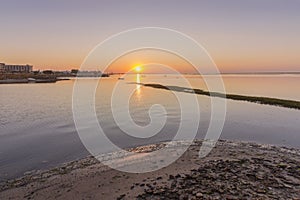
x=232, y=170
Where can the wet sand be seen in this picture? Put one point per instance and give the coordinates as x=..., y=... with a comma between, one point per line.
x=233, y=170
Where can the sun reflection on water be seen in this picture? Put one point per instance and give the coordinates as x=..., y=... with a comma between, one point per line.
x=138, y=81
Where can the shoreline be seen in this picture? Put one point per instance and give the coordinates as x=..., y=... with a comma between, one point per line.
x=241, y=163
x=27, y=81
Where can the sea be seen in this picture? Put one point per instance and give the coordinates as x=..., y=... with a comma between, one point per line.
x=38, y=132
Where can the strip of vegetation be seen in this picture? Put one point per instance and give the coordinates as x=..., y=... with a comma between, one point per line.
x=260, y=100
x=18, y=76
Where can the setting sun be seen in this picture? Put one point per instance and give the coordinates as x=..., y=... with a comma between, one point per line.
x=138, y=68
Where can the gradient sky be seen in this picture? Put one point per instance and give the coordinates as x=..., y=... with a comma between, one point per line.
x=240, y=35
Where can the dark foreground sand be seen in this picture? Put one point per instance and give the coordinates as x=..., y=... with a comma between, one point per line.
x=231, y=171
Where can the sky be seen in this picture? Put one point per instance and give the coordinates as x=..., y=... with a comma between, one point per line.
x=239, y=35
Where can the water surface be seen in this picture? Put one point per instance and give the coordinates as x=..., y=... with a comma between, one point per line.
x=37, y=129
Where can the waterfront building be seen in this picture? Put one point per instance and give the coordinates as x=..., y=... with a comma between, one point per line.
x=15, y=68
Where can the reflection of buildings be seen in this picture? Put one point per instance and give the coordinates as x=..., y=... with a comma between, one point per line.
x=15, y=68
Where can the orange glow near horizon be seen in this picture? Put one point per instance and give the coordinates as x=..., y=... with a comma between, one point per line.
x=230, y=61
x=149, y=61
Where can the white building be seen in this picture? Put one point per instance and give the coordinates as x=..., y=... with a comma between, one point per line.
x=15, y=68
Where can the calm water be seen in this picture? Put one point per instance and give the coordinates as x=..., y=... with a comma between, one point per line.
x=37, y=129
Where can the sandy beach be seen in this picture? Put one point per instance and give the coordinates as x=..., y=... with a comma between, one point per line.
x=233, y=170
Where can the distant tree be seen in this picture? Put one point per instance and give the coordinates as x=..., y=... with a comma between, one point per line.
x=36, y=72
x=74, y=71
x=47, y=72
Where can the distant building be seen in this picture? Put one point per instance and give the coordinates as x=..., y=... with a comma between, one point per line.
x=2, y=67
x=15, y=68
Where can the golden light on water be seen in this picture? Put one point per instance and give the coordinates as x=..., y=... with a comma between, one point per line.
x=138, y=69
x=138, y=81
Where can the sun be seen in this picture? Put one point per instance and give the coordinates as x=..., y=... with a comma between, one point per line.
x=138, y=68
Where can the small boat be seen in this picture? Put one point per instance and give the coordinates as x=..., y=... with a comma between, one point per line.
x=31, y=80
